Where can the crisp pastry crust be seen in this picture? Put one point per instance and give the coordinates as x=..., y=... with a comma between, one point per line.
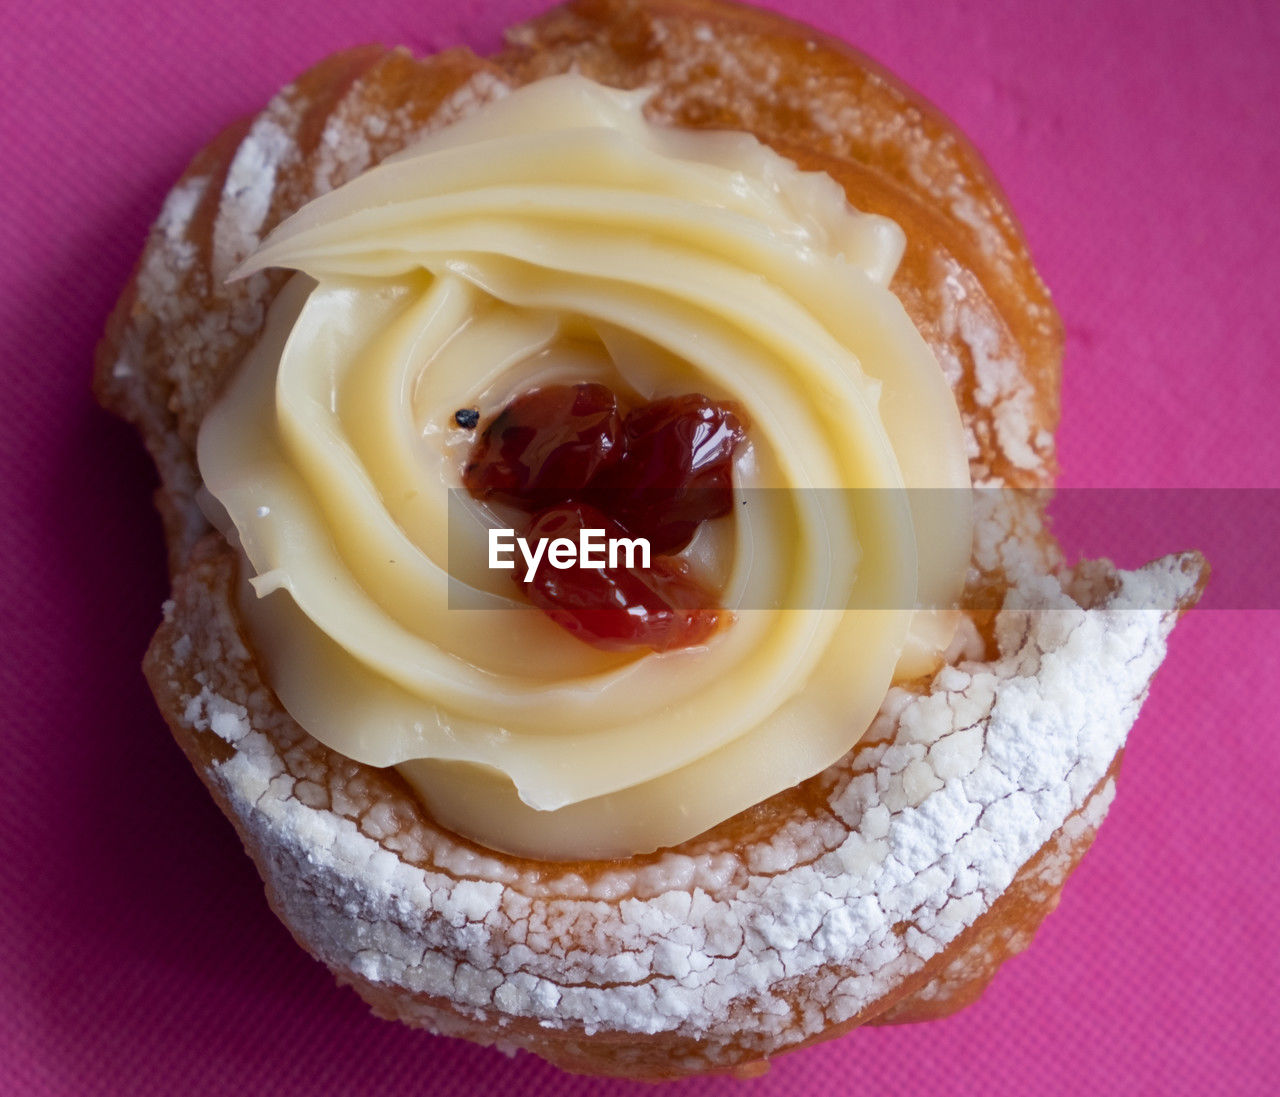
x=888, y=888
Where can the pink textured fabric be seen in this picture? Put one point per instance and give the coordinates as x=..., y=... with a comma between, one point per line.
x=1137, y=140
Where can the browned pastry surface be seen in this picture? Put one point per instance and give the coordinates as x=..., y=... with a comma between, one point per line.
x=435, y=931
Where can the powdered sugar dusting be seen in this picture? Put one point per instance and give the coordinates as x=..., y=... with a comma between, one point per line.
x=168, y=259
x=957, y=788
x=354, y=138
x=483, y=88
x=172, y=255
x=248, y=192
x=970, y=341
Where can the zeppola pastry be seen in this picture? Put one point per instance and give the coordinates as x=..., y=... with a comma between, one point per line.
x=672, y=273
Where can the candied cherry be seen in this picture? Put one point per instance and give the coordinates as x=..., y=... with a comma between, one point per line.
x=546, y=446
x=567, y=456
x=676, y=471
x=618, y=608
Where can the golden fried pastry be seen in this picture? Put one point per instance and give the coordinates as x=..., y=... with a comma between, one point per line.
x=889, y=886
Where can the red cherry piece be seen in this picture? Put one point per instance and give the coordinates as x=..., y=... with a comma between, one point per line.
x=617, y=608
x=677, y=471
x=546, y=446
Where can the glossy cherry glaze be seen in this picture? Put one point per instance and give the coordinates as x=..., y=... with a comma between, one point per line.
x=568, y=457
x=546, y=446
x=618, y=608
x=676, y=471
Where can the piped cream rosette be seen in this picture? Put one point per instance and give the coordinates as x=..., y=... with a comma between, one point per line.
x=557, y=236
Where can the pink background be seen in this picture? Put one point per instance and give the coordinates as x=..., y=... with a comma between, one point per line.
x=1138, y=141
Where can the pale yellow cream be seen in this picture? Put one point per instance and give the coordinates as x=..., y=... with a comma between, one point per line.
x=558, y=236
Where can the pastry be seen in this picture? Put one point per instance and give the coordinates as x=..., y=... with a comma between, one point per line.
x=787, y=900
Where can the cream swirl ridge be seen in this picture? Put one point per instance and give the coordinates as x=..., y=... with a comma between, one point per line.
x=556, y=235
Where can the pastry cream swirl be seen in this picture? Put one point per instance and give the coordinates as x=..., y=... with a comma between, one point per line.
x=557, y=235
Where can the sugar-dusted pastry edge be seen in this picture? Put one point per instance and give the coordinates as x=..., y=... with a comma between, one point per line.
x=889, y=887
